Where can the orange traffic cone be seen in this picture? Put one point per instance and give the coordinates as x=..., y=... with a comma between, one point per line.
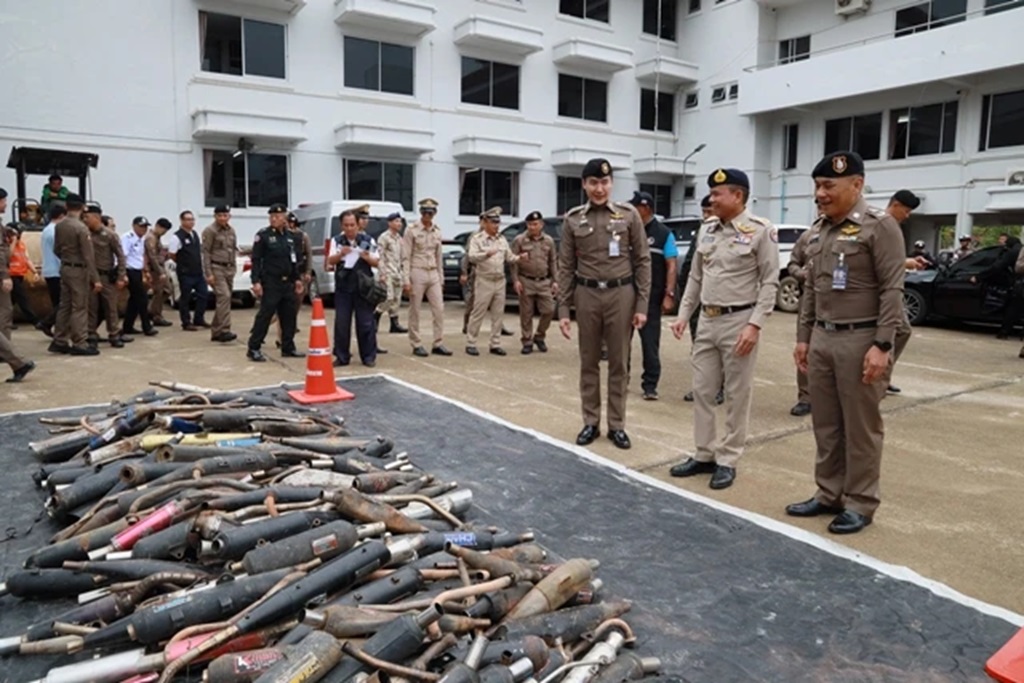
x=320, y=386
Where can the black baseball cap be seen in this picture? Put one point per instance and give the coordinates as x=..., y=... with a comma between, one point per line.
x=706, y=202
x=222, y=208
x=277, y=208
x=597, y=168
x=141, y=220
x=907, y=199
x=642, y=199
x=94, y=208
x=534, y=216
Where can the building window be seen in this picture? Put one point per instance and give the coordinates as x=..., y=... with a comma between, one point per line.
x=657, y=110
x=692, y=100
x=582, y=98
x=660, y=18
x=694, y=6
x=662, y=197
x=734, y=91
x=860, y=134
x=922, y=130
x=585, y=9
x=794, y=49
x=689, y=192
x=994, y=6
x=480, y=189
x=379, y=181
x=718, y=94
x=244, y=179
x=790, y=145
x=1002, y=120
x=491, y=84
x=569, y=193
x=929, y=15
x=241, y=47
x=372, y=65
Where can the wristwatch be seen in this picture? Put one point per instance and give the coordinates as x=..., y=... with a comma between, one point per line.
x=883, y=345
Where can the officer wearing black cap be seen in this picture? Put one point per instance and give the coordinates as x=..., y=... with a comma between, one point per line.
x=20, y=366
x=604, y=268
x=733, y=280
x=684, y=275
x=853, y=302
x=220, y=249
x=662, y=245
x=901, y=205
x=187, y=252
x=535, y=281
x=156, y=271
x=133, y=244
x=275, y=281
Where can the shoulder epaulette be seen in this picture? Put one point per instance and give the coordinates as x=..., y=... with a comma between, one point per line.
x=575, y=209
x=760, y=221
x=876, y=212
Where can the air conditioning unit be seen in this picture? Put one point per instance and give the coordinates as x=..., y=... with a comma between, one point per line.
x=1015, y=178
x=848, y=7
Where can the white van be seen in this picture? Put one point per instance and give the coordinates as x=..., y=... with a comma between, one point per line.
x=320, y=222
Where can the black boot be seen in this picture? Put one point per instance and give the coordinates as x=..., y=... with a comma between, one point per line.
x=395, y=327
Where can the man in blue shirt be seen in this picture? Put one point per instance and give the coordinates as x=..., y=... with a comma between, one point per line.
x=662, y=244
x=51, y=265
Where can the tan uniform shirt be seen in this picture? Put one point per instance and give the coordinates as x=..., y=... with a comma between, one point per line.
x=421, y=248
x=736, y=263
x=797, y=266
x=106, y=246
x=542, y=262
x=587, y=234
x=72, y=243
x=154, y=255
x=390, y=248
x=869, y=243
x=490, y=266
x=220, y=247
x=5, y=257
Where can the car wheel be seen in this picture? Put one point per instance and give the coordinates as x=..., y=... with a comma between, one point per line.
x=915, y=305
x=788, y=297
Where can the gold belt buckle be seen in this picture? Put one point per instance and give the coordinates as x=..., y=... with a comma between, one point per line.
x=712, y=311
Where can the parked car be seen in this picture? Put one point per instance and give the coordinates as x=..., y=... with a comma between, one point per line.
x=452, y=253
x=241, y=294
x=947, y=292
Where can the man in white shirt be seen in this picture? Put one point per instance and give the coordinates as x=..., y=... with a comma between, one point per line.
x=133, y=245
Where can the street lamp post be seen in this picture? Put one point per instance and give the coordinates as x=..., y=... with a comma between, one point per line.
x=686, y=160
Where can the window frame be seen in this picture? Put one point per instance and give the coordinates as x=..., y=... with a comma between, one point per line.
x=1001, y=6
x=656, y=110
x=560, y=193
x=791, y=46
x=586, y=11
x=715, y=99
x=695, y=94
x=985, y=138
x=514, y=199
x=693, y=6
x=380, y=66
x=894, y=131
x=490, y=83
x=242, y=39
x=383, y=181
x=851, y=146
x=662, y=197
x=585, y=84
x=930, y=23
x=660, y=11
x=210, y=202
x=790, y=146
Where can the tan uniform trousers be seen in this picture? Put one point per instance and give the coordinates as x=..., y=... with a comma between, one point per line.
x=107, y=300
x=536, y=296
x=6, y=313
x=903, y=333
x=8, y=355
x=391, y=306
x=430, y=284
x=223, y=285
x=803, y=394
x=847, y=421
x=161, y=290
x=72, y=324
x=488, y=301
x=716, y=366
x=605, y=318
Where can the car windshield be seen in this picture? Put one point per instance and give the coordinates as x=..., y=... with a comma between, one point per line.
x=683, y=228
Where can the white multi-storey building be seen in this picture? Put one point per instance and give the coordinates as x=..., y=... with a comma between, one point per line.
x=192, y=103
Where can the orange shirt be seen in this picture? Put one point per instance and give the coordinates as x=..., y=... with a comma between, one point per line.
x=19, y=259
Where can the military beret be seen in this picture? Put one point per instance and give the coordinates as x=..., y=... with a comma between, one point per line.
x=140, y=220
x=493, y=213
x=222, y=208
x=393, y=215
x=597, y=168
x=728, y=176
x=277, y=208
x=94, y=208
x=706, y=202
x=907, y=199
x=3, y=193
x=642, y=199
x=428, y=204
x=163, y=223
x=839, y=165
x=534, y=216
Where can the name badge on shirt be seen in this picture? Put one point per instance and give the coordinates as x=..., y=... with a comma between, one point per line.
x=840, y=273
x=613, y=246
x=743, y=239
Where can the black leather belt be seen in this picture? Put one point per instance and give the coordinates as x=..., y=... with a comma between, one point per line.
x=221, y=263
x=715, y=311
x=72, y=265
x=538, y=279
x=845, y=327
x=604, y=284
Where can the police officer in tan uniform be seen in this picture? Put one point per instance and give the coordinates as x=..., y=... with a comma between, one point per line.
x=604, y=268
x=423, y=269
x=734, y=279
x=853, y=302
x=78, y=281
x=901, y=205
x=797, y=267
x=488, y=252
x=535, y=281
x=390, y=271
x=220, y=248
x=156, y=271
x=19, y=365
x=110, y=265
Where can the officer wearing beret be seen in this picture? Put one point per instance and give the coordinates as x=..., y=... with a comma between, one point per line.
x=901, y=205
x=604, y=268
x=110, y=264
x=853, y=302
x=275, y=281
x=78, y=280
x=535, y=280
x=423, y=270
x=20, y=366
x=220, y=249
x=684, y=275
x=733, y=280
x=156, y=257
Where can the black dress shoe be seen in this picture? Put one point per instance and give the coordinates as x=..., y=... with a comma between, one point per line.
x=340, y=363
x=189, y=328
x=370, y=363
x=202, y=323
x=848, y=522
x=692, y=467
x=541, y=345
x=440, y=350
x=117, y=343
x=498, y=351
x=420, y=351
x=21, y=372
x=472, y=351
x=162, y=323
x=800, y=409
x=723, y=477
x=650, y=395
x=812, y=508
x=125, y=338
x=587, y=435
x=527, y=349
x=619, y=438
x=381, y=351
x=893, y=389
x=54, y=347
x=292, y=353
x=256, y=356
x=84, y=351
x=130, y=330
x=505, y=332
x=150, y=332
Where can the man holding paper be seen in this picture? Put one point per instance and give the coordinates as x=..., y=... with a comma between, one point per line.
x=353, y=255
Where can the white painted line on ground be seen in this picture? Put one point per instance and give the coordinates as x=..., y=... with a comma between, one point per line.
x=898, y=572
